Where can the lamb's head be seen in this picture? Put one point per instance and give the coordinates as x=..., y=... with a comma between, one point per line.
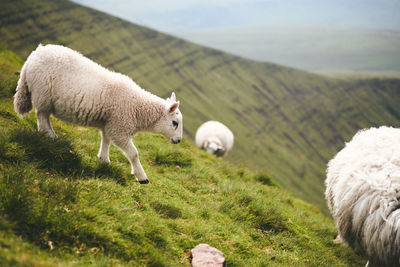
x=214, y=146
x=170, y=124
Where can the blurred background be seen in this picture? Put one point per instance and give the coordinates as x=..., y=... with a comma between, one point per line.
x=332, y=36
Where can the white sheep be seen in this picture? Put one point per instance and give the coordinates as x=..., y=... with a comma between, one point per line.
x=363, y=194
x=60, y=81
x=215, y=138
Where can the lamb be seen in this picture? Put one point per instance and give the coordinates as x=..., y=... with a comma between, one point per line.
x=215, y=138
x=60, y=81
x=363, y=194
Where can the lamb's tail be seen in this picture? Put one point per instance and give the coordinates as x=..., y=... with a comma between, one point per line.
x=22, y=98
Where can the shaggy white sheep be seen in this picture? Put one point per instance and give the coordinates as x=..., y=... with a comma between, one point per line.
x=363, y=194
x=57, y=80
x=215, y=138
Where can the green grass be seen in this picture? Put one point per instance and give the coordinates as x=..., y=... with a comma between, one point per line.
x=59, y=206
x=287, y=122
x=9, y=64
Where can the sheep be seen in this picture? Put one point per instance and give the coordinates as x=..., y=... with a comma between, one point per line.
x=363, y=194
x=215, y=138
x=60, y=81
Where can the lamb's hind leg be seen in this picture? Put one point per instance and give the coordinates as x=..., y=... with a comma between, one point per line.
x=132, y=154
x=104, y=148
x=44, y=125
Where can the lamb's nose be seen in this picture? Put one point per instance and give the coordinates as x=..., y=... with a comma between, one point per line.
x=178, y=141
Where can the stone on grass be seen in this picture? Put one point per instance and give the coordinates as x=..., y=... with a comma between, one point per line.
x=204, y=255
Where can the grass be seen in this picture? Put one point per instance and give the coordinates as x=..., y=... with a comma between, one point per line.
x=59, y=206
x=9, y=64
x=285, y=121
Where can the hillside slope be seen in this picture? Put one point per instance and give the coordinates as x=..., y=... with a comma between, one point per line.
x=59, y=206
x=286, y=121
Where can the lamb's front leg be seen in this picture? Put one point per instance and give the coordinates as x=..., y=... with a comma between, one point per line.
x=132, y=154
x=104, y=148
x=44, y=125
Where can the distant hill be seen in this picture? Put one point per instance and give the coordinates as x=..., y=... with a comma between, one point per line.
x=286, y=121
x=318, y=49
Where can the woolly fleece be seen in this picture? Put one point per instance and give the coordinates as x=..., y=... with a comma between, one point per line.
x=363, y=194
x=215, y=138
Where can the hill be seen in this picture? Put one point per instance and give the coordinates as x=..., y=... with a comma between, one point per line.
x=318, y=49
x=59, y=206
x=286, y=121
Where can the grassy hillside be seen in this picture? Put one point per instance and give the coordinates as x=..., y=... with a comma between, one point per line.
x=285, y=121
x=59, y=206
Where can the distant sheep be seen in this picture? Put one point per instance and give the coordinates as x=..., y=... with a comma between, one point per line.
x=215, y=138
x=363, y=194
x=57, y=80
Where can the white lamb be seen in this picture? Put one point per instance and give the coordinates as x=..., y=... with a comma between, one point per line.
x=57, y=80
x=215, y=138
x=363, y=194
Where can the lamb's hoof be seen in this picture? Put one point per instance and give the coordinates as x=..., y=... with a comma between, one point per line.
x=103, y=160
x=144, y=181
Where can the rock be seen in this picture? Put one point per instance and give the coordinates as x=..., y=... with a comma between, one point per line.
x=204, y=255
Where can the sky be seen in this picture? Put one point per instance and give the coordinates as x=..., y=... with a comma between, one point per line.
x=174, y=16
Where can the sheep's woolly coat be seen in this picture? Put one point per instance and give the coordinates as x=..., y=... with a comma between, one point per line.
x=90, y=93
x=60, y=81
x=215, y=138
x=363, y=194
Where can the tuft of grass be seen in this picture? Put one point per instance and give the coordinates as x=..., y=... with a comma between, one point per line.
x=166, y=210
x=102, y=170
x=52, y=154
x=261, y=215
x=173, y=158
x=264, y=178
x=36, y=204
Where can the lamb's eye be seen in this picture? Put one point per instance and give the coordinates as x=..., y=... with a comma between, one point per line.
x=175, y=123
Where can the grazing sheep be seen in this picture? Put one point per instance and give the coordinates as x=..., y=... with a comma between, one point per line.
x=57, y=80
x=215, y=138
x=363, y=194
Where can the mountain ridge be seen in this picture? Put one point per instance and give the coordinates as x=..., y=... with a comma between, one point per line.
x=317, y=49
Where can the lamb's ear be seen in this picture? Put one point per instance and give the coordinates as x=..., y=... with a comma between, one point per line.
x=172, y=98
x=174, y=106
